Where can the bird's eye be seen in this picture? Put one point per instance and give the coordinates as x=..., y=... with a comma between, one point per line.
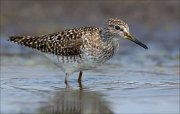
x=118, y=28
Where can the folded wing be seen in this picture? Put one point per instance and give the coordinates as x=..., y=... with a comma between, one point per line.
x=65, y=43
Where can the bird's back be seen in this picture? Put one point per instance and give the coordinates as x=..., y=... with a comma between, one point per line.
x=69, y=45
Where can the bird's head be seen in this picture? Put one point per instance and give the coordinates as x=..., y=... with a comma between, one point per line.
x=120, y=29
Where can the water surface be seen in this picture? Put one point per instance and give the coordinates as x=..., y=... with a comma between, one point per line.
x=130, y=83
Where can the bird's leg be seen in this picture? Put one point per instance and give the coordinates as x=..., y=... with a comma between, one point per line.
x=80, y=76
x=80, y=85
x=66, y=79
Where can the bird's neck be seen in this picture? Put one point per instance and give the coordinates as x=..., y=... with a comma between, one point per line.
x=108, y=38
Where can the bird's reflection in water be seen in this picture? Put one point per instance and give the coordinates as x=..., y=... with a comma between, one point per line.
x=81, y=101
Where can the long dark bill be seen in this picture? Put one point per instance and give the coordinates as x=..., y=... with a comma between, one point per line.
x=129, y=37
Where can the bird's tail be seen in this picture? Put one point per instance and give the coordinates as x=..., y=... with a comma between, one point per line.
x=29, y=41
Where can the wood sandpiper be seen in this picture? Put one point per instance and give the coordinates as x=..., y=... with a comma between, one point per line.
x=79, y=49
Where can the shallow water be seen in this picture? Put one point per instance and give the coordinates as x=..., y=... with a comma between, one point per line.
x=136, y=82
x=133, y=81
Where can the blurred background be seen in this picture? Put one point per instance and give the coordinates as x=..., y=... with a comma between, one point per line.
x=133, y=73
x=155, y=22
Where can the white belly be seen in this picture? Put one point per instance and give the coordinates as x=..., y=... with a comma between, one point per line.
x=71, y=66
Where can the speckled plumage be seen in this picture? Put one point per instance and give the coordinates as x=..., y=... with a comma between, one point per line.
x=69, y=44
x=78, y=49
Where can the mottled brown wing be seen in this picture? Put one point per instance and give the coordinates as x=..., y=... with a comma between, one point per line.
x=64, y=43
